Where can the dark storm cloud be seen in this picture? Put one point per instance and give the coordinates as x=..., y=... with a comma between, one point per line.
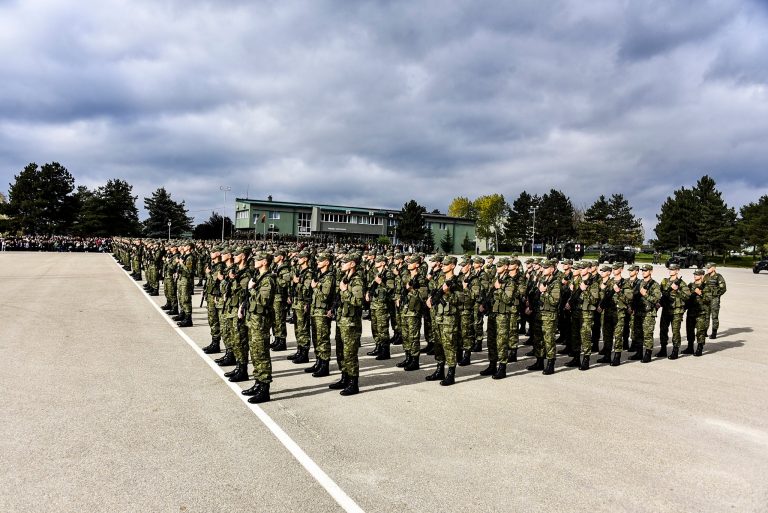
x=377, y=102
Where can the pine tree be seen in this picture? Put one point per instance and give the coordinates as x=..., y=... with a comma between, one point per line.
x=447, y=242
x=162, y=209
x=411, y=228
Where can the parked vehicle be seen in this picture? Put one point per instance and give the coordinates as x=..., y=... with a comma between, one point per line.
x=571, y=250
x=612, y=254
x=762, y=265
x=686, y=258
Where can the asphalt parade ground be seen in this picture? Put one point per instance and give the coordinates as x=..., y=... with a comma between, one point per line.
x=107, y=406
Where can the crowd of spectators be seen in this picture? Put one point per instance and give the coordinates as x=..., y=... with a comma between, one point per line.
x=57, y=243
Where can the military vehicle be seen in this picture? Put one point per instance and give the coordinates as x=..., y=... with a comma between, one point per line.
x=613, y=254
x=571, y=250
x=762, y=265
x=686, y=258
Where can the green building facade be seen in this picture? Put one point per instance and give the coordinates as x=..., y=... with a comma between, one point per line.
x=338, y=223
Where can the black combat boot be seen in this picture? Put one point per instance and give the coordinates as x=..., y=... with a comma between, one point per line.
x=303, y=356
x=501, y=371
x=438, y=374
x=405, y=362
x=647, y=356
x=512, y=355
x=254, y=389
x=465, y=356
x=477, y=346
x=714, y=334
x=351, y=388
x=186, y=322
x=166, y=306
x=616, y=360
x=606, y=358
x=173, y=310
x=241, y=373
x=179, y=317
x=413, y=364
x=539, y=365
x=227, y=359
x=662, y=351
x=200, y=283
x=341, y=383
x=278, y=344
x=606, y=350
x=383, y=352
x=638, y=355
x=232, y=372
x=314, y=367
x=294, y=355
x=490, y=370
x=584, y=363
x=674, y=354
x=550, y=368
x=374, y=351
x=154, y=292
x=214, y=347
x=322, y=369
x=397, y=339
x=430, y=349
x=262, y=396
x=449, y=378
x=575, y=362
x=689, y=349
x=699, y=350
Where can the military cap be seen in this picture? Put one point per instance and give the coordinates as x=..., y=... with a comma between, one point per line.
x=437, y=259
x=633, y=267
x=577, y=266
x=647, y=267
x=238, y=251
x=502, y=262
x=280, y=252
x=698, y=272
x=216, y=249
x=515, y=261
x=477, y=260
x=398, y=256
x=567, y=261
x=353, y=257
x=303, y=254
x=261, y=255
x=528, y=261
x=226, y=250
x=322, y=257
x=710, y=265
x=414, y=259
x=490, y=257
x=449, y=260
x=548, y=263
x=465, y=260
x=674, y=267
x=618, y=265
x=605, y=268
x=380, y=258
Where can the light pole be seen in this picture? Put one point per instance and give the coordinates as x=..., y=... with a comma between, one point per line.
x=169, y=231
x=533, y=232
x=224, y=214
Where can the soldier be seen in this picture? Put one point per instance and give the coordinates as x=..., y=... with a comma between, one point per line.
x=508, y=291
x=623, y=292
x=212, y=292
x=646, y=303
x=185, y=281
x=480, y=288
x=321, y=311
x=282, y=272
x=434, y=278
x=400, y=275
x=466, y=304
x=411, y=303
x=444, y=301
x=136, y=258
x=259, y=317
x=300, y=302
x=237, y=289
x=169, y=281
x=564, y=314
x=381, y=286
x=718, y=288
x=608, y=308
x=702, y=293
x=351, y=297
x=546, y=314
x=634, y=328
x=585, y=297
x=674, y=295
x=221, y=301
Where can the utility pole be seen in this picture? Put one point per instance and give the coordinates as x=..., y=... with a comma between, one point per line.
x=169, y=231
x=533, y=234
x=224, y=214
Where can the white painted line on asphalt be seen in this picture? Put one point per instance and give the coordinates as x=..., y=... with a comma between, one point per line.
x=339, y=495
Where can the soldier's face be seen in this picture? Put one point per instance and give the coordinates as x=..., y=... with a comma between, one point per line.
x=646, y=274
x=673, y=274
x=413, y=267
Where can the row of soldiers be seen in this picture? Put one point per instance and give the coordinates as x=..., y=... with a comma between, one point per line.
x=253, y=294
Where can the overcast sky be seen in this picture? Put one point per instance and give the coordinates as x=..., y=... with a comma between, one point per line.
x=373, y=103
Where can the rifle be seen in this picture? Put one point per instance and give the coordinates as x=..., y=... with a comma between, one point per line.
x=337, y=298
x=202, y=292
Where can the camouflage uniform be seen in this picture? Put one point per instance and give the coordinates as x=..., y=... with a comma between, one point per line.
x=672, y=310
x=699, y=304
x=350, y=323
x=302, y=295
x=259, y=321
x=322, y=302
x=716, y=284
x=380, y=296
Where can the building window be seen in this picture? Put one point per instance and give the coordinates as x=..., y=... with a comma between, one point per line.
x=442, y=226
x=274, y=215
x=334, y=218
x=304, y=223
x=392, y=222
x=242, y=214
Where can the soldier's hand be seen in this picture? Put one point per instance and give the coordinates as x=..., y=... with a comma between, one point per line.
x=567, y=307
x=599, y=309
x=616, y=288
x=464, y=284
x=583, y=286
x=542, y=288
x=429, y=302
x=643, y=292
x=313, y=284
x=674, y=286
x=446, y=288
x=496, y=284
x=295, y=279
x=329, y=314
x=377, y=280
x=240, y=312
x=251, y=284
x=482, y=309
x=367, y=297
x=343, y=286
x=697, y=291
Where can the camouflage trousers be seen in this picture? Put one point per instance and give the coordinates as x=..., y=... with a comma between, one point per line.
x=136, y=266
x=258, y=343
x=537, y=334
x=507, y=336
x=477, y=321
x=350, y=329
x=446, y=327
x=610, y=318
x=547, y=323
x=169, y=287
x=411, y=329
x=673, y=319
x=214, y=317
x=321, y=327
x=467, y=328
x=152, y=277
x=714, y=312
x=380, y=322
x=647, y=323
x=429, y=320
x=696, y=325
x=185, y=296
x=238, y=338
x=622, y=318
x=575, y=331
x=301, y=324
x=492, y=338
x=278, y=322
x=585, y=331
x=394, y=317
